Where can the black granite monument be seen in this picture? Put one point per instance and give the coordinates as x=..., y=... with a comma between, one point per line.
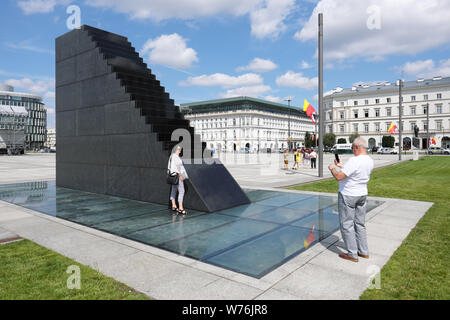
x=114, y=125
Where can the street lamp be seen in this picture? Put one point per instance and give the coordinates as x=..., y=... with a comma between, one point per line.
x=289, y=122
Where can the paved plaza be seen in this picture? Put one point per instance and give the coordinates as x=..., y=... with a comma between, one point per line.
x=316, y=273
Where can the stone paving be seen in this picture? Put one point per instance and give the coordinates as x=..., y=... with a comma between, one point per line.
x=317, y=273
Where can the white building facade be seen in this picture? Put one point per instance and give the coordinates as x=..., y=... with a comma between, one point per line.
x=244, y=123
x=369, y=110
x=51, y=138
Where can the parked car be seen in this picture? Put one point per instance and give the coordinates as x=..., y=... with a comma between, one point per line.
x=438, y=150
x=387, y=150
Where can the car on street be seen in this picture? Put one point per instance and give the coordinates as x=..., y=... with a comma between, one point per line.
x=387, y=150
x=438, y=150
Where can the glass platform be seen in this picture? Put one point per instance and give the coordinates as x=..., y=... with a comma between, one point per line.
x=251, y=239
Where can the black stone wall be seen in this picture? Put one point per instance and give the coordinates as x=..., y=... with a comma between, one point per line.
x=114, y=123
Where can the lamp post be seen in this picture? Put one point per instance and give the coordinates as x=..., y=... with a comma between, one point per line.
x=289, y=122
x=400, y=111
x=321, y=108
x=428, y=126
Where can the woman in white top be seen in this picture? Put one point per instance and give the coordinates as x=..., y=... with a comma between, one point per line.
x=176, y=165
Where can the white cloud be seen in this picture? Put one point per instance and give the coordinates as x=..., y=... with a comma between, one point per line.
x=267, y=21
x=224, y=80
x=406, y=27
x=259, y=65
x=169, y=9
x=170, y=50
x=40, y=87
x=266, y=16
x=427, y=68
x=292, y=79
x=273, y=99
x=305, y=65
x=249, y=91
x=40, y=6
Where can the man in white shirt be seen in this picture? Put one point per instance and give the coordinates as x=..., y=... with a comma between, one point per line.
x=353, y=178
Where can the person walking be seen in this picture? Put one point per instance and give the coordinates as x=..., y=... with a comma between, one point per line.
x=303, y=155
x=176, y=165
x=352, y=200
x=286, y=159
x=307, y=157
x=297, y=160
x=313, y=156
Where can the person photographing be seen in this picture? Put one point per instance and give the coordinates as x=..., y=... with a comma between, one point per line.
x=352, y=199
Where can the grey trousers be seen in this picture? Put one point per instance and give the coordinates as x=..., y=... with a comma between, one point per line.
x=177, y=187
x=352, y=218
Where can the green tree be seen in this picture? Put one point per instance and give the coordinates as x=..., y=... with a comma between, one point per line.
x=388, y=141
x=329, y=139
x=353, y=136
x=342, y=140
x=308, y=140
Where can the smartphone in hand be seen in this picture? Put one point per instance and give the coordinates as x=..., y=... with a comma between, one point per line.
x=336, y=156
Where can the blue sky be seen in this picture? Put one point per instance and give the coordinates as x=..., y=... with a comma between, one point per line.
x=208, y=49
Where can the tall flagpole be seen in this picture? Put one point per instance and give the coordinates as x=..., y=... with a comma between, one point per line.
x=321, y=107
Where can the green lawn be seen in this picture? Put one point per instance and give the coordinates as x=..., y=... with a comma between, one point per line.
x=29, y=271
x=419, y=269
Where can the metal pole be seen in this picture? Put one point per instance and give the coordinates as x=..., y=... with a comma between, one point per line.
x=400, y=111
x=428, y=126
x=321, y=111
x=289, y=123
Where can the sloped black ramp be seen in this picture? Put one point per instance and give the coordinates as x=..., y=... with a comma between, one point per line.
x=114, y=123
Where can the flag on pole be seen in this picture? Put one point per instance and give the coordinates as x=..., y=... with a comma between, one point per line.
x=392, y=128
x=308, y=108
x=432, y=141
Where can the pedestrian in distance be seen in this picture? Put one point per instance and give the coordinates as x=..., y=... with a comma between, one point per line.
x=286, y=159
x=176, y=165
x=313, y=156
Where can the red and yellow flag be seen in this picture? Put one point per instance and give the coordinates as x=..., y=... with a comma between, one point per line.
x=392, y=128
x=308, y=108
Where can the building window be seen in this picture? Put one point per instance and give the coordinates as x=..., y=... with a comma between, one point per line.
x=439, y=108
x=439, y=96
x=355, y=114
x=413, y=111
x=377, y=112
x=377, y=127
x=366, y=101
x=413, y=98
x=424, y=109
x=388, y=112
x=355, y=103
x=366, y=113
x=355, y=128
x=330, y=128
x=425, y=125
x=412, y=125
x=438, y=125
x=341, y=114
x=341, y=128
x=377, y=100
x=342, y=103
x=388, y=100
x=366, y=127
x=425, y=97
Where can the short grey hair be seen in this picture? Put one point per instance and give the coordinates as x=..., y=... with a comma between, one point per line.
x=360, y=142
